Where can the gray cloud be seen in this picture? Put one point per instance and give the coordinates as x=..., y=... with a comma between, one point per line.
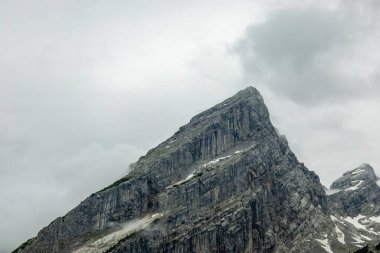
x=308, y=53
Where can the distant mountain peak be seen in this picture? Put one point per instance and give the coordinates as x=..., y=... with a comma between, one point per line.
x=249, y=90
x=356, y=192
x=248, y=97
x=356, y=178
x=364, y=168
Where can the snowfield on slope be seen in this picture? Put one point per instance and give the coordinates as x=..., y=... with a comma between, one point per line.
x=128, y=228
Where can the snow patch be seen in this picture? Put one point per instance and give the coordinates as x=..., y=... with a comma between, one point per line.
x=216, y=161
x=378, y=182
x=355, y=187
x=340, y=235
x=195, y=172
x=358, y=171
x=189, y=176
x=325, y=244
x=361, y=222
x=355, y=221
x=358, y=240
x=172, y=141
x=366, y=237
x=128, y=228
x=332, y=191
x=157, y=215
x=375, y=219
x=182, y=181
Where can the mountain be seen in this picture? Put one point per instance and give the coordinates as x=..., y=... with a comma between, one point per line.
x=354, y=202
x=356, y=192
x=225, y=182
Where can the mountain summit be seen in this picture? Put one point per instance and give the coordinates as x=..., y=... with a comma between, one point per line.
x=356, y=192
x=225, y=182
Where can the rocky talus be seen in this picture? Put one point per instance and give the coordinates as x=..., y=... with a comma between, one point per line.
x=225, y=182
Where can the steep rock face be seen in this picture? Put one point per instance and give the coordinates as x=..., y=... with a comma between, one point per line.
x=356, y=192
x=225, y=182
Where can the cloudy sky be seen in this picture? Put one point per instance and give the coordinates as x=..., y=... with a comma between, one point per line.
x=89, y=86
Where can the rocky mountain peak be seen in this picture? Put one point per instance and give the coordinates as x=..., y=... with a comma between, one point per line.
x=248, y=91
x=356, y=192
x=246, y=99
x=224, y=182
x=364, y=172
x=355, y=179
x=354, y=200
x=236, y=123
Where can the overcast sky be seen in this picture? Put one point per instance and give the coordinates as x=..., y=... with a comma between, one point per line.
x=89, y=86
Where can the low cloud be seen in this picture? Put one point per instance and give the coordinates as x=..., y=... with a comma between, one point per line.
x=312, y=54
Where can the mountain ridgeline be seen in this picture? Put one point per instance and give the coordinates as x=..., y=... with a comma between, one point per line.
x=225, y=182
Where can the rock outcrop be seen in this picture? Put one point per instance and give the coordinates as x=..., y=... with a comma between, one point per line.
x=356, y=192
x=225, y=182
x=354, y=202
